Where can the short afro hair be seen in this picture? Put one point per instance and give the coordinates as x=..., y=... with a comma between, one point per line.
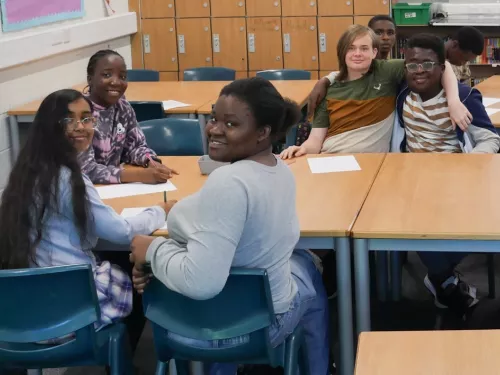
x=470, y=39
x=428, y=41
x=380, y=17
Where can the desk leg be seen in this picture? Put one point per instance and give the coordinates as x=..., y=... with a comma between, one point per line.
x=345, y=305
x=362, y=279
x=14, y=137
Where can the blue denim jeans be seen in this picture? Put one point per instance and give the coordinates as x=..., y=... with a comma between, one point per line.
x=439, y=263
x=308, y=308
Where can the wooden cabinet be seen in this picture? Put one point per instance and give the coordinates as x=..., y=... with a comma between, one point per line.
x=298, y=8
x=192, y=8
x=371, y=7
x=229, y=43
x=314, y=74
x=136, y=39
x=157, y=8
x=169, y=76
x=330, y=30
x=228, y=8
x=194, y=42
x=240, y=75
x=264, y=43
x=362, y=20
x=159, y=44
x=300, y=43
x=335, y=7
x=258, y=8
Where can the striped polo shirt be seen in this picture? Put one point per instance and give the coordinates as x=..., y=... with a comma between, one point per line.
x=359, y=114
x=428, y=125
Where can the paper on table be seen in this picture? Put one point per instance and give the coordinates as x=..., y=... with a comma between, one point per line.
x=133, y=188
x=490, y=101
x=492, y=111
x=128, y=212
x=170, y=104
x=333, y=164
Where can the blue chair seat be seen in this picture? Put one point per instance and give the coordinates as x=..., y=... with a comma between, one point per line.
x=145, y=111
x=142, y=75
x=209, y=74
x=285, y=75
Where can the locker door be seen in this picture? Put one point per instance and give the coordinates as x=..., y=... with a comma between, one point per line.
x=299, y=8
x=330, y=30
x=160, y=47
x=264, y=43
x=192, y=8
x=229, y=43
x=371, y=7
x=334, y=7
x=194, y=43
x=300, y=43
x=136, y=39
x=157, y=8
x=258, y=8
x=362, y=20
x=169, y=76
x=228, y=8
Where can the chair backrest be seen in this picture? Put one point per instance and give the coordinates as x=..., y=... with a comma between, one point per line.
x=209, y=74
x=173, y=136
x=142, y=75
x=43, y=304
x=243, y=307
x=285, y=75
x=145, y=111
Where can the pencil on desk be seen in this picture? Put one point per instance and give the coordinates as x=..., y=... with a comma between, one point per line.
x=165, y=197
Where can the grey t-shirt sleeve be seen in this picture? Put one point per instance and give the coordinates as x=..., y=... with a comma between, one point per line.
x=485, y=141
x=222, y=212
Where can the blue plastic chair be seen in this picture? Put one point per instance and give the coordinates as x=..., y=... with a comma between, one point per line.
x=285, y=75
x=46, y=303
x=142, y=75
x=145, y=111
x=173, y=136
x=244, y=307
x=209, y=74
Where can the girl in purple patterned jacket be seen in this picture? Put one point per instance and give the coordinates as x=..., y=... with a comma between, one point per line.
x=117, y=139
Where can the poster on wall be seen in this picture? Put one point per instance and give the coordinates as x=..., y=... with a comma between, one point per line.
x=23, y=14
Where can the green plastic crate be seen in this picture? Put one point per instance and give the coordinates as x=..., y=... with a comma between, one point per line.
x=412, y=13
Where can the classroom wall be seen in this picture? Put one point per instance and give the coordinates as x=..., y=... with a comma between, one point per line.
x=24, y=83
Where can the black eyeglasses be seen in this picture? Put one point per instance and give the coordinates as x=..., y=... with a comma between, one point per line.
x=72, y=123
x=426, y=66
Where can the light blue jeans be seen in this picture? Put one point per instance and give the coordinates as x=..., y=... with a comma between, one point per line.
x=308, y=308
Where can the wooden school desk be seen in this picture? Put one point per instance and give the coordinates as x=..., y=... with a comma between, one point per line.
x=427, y=202
x=491, y=88
x=195, y=93
x=327, y=205
x=428, y=353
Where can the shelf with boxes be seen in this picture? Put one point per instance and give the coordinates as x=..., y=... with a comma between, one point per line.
x=244, y=35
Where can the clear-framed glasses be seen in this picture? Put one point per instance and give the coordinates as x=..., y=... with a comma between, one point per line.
x=72, y=123
x=426, y=66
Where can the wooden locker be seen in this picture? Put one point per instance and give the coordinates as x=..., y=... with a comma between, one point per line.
x=371, y=7
x=157, y=8
x=259, y=8
x=240, y=75
x=192, y=8
x=300, y=43
x=335, y=7
x=228, y=8
x=194, y=43
x=264, y=43
x=136, y=39
x=229, y=43
x=160, y=46
x=330, y=30
x=362, y=20
x=298, y=8
x=169, y=76
x=314, y=75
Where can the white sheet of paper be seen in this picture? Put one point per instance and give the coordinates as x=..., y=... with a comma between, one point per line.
x=169, y=104
x=333, y=164
x=128, y=212
x=490, y=101
x=492, y=111
x=133, y=188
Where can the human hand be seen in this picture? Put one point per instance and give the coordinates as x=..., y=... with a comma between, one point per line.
x=140, y=278
x=459, y=114
x=139, y=248
x=293, y=152
x=167, y=206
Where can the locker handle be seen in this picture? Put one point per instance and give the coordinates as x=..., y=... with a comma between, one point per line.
x=181, y=43
x=287, y=47
x=146, y=43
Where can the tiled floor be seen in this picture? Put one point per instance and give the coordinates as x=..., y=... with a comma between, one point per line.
x=416, y=311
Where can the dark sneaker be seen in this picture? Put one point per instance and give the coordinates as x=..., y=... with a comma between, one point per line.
x=457, y=295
